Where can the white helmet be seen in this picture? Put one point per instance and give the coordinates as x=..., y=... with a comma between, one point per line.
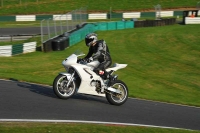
x=90, y=39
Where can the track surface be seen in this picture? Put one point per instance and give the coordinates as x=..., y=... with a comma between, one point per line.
x=19, y=100
x=20, y=31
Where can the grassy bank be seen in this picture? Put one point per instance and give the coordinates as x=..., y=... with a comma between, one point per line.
x=163, y=62
x=80, y=128
x=64, y=6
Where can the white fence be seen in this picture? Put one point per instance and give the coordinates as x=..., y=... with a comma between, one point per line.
x=8, y=51
x=195, y=20
x=97, y=16
x=25, y=18
x=29, y=47
x=131, y=15
x=165, y=13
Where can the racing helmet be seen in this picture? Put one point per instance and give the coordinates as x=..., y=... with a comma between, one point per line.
x=90, y=39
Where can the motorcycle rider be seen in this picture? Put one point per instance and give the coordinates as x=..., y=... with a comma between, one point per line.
x=98, y=50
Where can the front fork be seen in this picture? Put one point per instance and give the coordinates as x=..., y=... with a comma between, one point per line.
x=71, y=79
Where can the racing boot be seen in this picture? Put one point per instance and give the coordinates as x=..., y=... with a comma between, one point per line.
x=104, y=74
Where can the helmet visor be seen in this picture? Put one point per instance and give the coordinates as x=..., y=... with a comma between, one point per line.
x=88, y=41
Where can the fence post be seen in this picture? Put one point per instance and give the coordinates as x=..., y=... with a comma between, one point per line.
x=80, y=11
x=55, y=27
x=48, y=28
x=110, y=13
x=66, y=22
x=61, y=29
x=158, y=11
x=41, y=28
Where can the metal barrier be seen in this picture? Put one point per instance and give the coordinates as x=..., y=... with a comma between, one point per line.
x=59, y=24
x=158, y=11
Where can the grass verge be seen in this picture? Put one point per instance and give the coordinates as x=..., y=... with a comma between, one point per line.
x=63, y=6
x=81, y=128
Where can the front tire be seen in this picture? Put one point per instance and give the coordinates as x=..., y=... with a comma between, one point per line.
x=60, y=87
x=118, y=99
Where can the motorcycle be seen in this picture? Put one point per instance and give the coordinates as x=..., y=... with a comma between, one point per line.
x=80, y=78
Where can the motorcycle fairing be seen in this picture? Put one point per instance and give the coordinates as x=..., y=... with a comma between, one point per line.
x=85, y=74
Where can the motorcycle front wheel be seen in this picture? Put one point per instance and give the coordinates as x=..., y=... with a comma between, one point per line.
x=118, y=99
x=60, y=87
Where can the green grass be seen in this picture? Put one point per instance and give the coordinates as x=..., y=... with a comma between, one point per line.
x=81, y=128
x=12, y=7
x=163, y=62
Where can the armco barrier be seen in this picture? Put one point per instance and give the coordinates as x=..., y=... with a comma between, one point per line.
x=152, y=23
x=10, y=50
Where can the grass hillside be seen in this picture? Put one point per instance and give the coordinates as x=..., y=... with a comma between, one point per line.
x=13, y=7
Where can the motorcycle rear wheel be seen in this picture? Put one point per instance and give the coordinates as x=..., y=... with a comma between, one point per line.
x=118, y=99
x=60, y=87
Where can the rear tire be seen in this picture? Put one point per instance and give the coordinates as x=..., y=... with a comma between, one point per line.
x=60, y=87
x=118, y=99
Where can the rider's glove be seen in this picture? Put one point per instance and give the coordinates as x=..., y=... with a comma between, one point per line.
x=90, y=59
x=79, y=60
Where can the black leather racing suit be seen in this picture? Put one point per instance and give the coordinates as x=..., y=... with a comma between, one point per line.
x=101, y=53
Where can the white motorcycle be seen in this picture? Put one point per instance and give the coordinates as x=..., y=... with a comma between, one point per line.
x=80, y=78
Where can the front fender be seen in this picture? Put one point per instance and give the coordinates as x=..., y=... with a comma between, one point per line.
x=68, y=75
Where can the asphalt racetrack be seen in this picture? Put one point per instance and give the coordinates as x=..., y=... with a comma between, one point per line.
x=20, y=101
x=20, y=31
